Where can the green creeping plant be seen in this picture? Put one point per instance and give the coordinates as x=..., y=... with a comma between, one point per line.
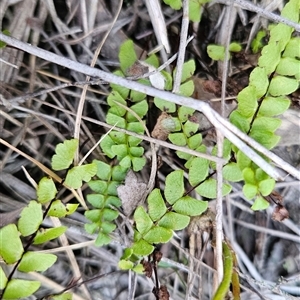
x=12, y=250
x=276, y=76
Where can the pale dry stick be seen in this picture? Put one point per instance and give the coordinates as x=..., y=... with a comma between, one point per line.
x=71, y=256
x=143, y=137
x=220, y=144
x=182, y=46
x=201, y=106
x=276, y=159
x=72, y=247
x=158, y=23
x=21, y=99
x=55, y=287
x=262, y=12
x=276, y=233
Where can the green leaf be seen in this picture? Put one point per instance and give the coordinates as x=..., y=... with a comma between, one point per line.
x=232, y=172
x=45, y=235
x=175, y=4
x=184, y=113
x=127, y=253
x=280, y=35
x=97, y=200
x=260, y=204
x=31, y=218
x=109, y=214
x=64, y=154
x=208, y=189
x=118, y=137
x=195, y=9
x=216, y=52
x=247, y=101
x=125, y=264
x=260, y=175
x=38, y=262
x=138, y=163
x=124, y=92
x=257, y=43
x=156, y=205
x=174, y=221
x=265, y=138
x=102, y=239
x=120, y=150
x=248, y=175
x=139, y=269
x=270, y=57
x=291, y=11
x=235, y=47
x=98, y=186
x=136, y=151
x=136, y=96
x=243, y=160
x=190, y=206
x=292, y=48
x=250, y=190
x=274, y=106
x=158, y=235
x=142, y=220
x=64, y=296
x=187, y=89
x=198, y=170
x=127, y=55
x=19, y=288
x=140, y=108
x=266, y=186
x=190, y=128
x=259, y=80
x=3, y=279
x=177, y=138
x=240, y=121
x=164, y=105
x=174, y=186
x=126, y=162
x=106, y=145
x=289, y=66
x=59, y=210
x=118, y=173
x=108, y=227
x=188, y=70
x=267, y=123
x=46, y=190
x=3, y=44
x=142, y=248
x=281, y=85
x=76, y=175
x=136, y=127
x=114, y=97
x=11, y=248
x=113, y=119
x=194, y=141
x=153, y=61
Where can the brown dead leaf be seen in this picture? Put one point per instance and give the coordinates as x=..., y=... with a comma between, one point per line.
x=131, y=193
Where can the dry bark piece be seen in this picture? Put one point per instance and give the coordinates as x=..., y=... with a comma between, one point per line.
x=131, y=192
x=161, y=293
x=147, y=268
x=164, y=125
x=280, y=213
x=157, y=255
